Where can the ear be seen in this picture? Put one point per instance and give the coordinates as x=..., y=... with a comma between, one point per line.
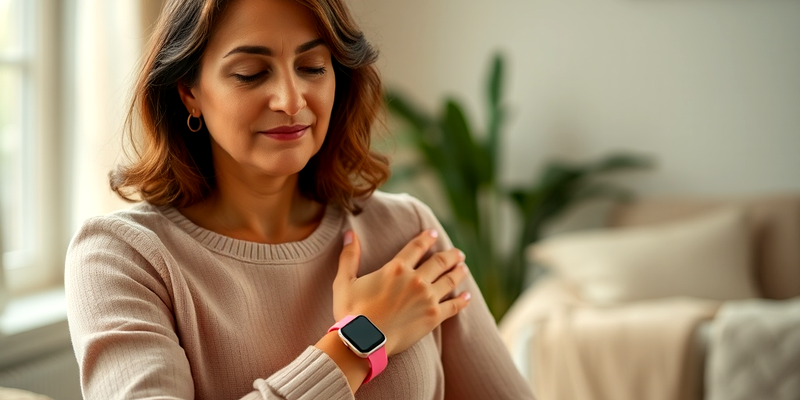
x=189, y=99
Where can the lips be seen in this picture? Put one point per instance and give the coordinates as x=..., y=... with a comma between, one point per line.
x=286, y=132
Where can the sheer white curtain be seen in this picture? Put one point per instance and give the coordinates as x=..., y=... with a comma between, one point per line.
x=109, y=38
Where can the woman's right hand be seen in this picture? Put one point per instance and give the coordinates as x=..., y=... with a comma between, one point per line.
x=405, y=299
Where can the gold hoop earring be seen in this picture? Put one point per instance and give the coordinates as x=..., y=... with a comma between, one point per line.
x=189, y=122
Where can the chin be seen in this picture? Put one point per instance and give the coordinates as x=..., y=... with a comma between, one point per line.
x=283, y=167
x=284, y=162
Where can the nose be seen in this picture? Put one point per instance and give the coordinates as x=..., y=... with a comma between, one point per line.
x=286, y=96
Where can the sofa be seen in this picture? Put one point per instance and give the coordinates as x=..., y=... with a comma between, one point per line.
x=672, y=299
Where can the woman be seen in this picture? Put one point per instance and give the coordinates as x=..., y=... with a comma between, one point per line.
x=261, y=231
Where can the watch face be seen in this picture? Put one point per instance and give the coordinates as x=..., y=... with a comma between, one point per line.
x=364, y=336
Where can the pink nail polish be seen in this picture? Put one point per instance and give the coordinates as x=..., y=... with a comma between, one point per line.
x=434, y=233
x=467, y=296
x=348, y=237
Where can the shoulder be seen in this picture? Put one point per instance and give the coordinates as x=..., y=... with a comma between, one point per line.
x=127, y=247
x=399, y=216
x=138, y=227
x=396, y=207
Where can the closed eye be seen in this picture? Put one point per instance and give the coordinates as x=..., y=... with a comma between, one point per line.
x=313, y=71
x=249, y=78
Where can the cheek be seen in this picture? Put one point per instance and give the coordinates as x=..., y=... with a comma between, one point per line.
x=322, y=102
x=228, y=111
x=330, y=94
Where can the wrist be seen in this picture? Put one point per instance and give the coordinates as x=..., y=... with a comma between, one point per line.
x=352, y=366
x=365, y=340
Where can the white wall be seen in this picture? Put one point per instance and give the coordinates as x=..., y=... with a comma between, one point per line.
x=711, y=88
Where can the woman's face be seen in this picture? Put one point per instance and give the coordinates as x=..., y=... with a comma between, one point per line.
x=266, y=88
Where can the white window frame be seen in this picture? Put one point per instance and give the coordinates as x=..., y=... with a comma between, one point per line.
x=39, y=264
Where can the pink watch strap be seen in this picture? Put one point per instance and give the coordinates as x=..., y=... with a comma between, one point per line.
x=342, y=322
x=377, y=363
x=377, y=360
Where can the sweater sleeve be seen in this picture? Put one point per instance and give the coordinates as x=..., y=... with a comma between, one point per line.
x=476, y=363
x=123, y=330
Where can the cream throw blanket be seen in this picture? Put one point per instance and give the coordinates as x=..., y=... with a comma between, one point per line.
x=634, y=351
x=755, y=351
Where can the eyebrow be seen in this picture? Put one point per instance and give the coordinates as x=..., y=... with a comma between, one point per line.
x=266, y=51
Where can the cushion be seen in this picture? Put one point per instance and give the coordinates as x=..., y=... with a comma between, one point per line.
x=774, y=222
x=707, y=256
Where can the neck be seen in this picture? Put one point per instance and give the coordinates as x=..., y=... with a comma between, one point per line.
x=264, y=210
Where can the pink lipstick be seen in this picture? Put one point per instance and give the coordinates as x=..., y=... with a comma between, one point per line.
x=286, y=132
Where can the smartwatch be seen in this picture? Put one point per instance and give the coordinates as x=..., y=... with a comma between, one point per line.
x=364, y=339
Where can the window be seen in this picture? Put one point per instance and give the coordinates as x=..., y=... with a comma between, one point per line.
x=28, y=139
x=12, y=74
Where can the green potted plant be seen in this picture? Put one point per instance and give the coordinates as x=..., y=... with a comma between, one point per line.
x=466, y=168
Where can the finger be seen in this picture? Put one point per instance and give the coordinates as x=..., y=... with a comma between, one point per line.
x=450, y=308
x=448, y=282
x=349, y=259
x=440, y=263
x=413, y=252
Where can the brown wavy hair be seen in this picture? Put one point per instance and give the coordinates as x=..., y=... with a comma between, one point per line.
x=172, y=165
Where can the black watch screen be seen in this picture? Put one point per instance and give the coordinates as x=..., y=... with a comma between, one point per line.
x=362, y=334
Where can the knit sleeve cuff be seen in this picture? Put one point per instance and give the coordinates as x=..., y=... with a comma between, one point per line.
x=312, y=375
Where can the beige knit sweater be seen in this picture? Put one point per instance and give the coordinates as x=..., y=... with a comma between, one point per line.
x=161, y=308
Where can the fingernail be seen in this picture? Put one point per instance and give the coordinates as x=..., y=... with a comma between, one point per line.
x=434, y=233
x=461, y=255
x=348, y=237
x=463, y=266
x=467, y=296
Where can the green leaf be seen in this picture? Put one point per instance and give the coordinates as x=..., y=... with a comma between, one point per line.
x=457, y=164
x=495, y=87
x=520, y=198
x=616, y=162
x=402, y=107
x=458, y=139
x=602, y=190
x=496, y=115
x=556, y=174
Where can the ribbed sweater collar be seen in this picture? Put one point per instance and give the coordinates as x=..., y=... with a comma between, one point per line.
x=292, y=252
